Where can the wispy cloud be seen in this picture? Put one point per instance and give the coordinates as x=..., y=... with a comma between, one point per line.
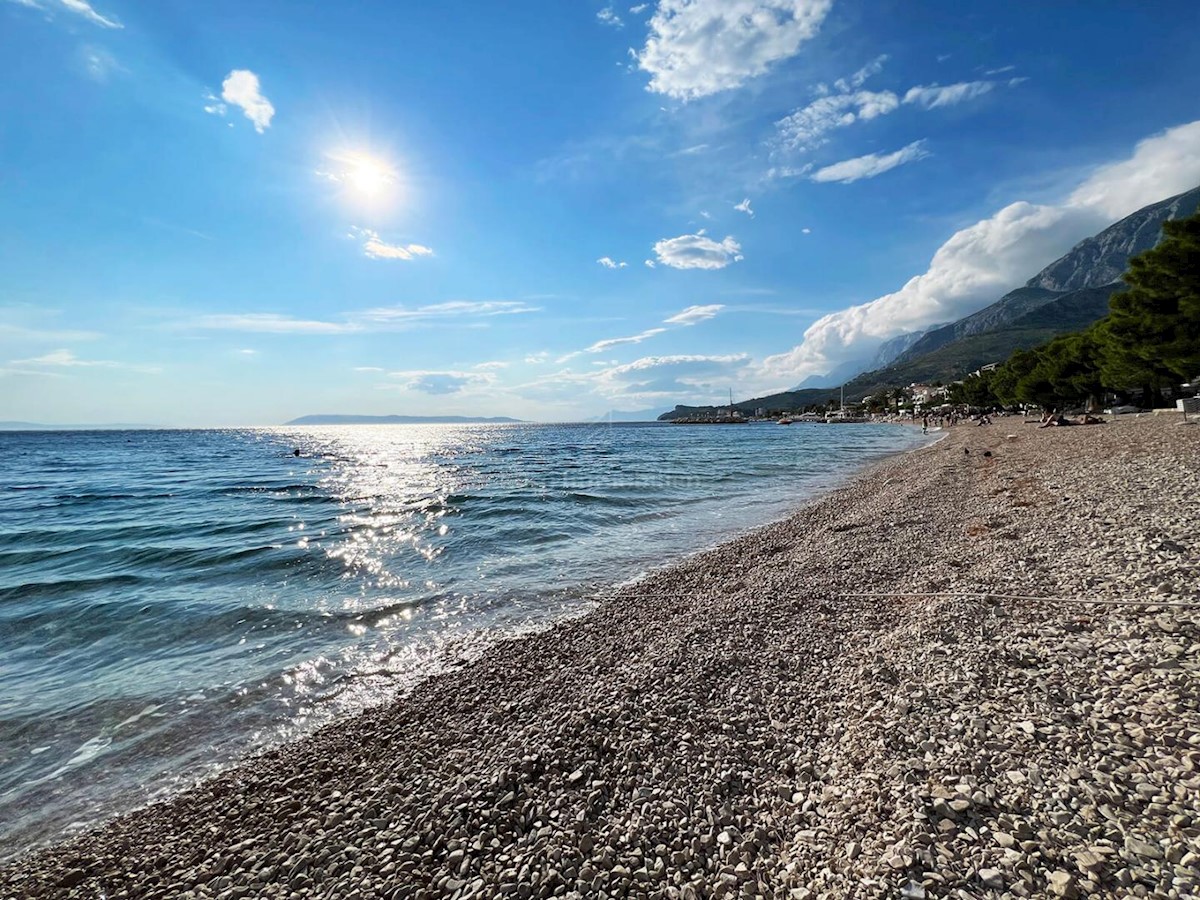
x=744, y=207
x=24, y=333
x=683, y=377
x=375, y=247
x=694, y=314
x=384, y=318
x=806, y=128
x=847, y=103
x=609, y=343
x=701, y=47
x=871, y=165
x=271, y=323
x=440, y=383
x=933, y=96
x=78, y=7
x=66, y=359
x=608, y=17
x=610, y=263
x=697, y=251
x=241, y=88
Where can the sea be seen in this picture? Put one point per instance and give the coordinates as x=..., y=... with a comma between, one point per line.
x=171, y=601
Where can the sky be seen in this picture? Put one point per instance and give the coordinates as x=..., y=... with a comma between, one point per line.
x=237, y=213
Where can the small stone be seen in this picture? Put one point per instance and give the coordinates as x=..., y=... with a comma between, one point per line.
x=914, y=890
x=1062, y=884
x=1141, y=848
x=993, y=878
x=853, y=850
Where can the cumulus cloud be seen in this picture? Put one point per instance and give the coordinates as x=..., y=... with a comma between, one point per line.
x=869, y=166
x=697, y=251
x=610, y=263
x=932, y=96
x=694, y=314
x=376, y=248
x=241, y=89
x=608, y=17
x=981, y=262
x=744, y=206
x=701, y=47
x=649, y=263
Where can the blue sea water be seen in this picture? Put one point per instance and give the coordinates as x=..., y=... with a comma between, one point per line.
x=172, y=600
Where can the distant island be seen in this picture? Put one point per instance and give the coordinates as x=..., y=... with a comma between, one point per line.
x=401, y=420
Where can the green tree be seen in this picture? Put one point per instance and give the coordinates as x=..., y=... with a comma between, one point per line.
x=1151, y=336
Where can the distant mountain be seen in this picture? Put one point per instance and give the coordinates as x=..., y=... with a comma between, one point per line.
x=616, y=415
x=835, y=378
x=399, y=420
x=1095, y=262
x=1068, y=295
x=897, y=346
x=786, y=401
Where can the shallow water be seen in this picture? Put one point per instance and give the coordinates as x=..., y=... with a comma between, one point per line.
x=171, y=600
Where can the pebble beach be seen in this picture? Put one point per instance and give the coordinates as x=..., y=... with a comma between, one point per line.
x=971, y=672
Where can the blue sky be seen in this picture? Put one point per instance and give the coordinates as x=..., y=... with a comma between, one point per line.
x=242, y=212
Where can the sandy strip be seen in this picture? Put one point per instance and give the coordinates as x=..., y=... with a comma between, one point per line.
x=737, y=726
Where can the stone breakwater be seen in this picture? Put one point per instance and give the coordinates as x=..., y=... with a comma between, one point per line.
x=739, y=726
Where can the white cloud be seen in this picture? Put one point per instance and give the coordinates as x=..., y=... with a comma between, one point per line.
x=78, y=7
x=538, y=358
x=744, y=206
x=241, y=88
x=386, y=318
x=271, y=323
x=448, y=310
x=806, y=231
x=376, y=248
x=490, y=366
x=683, y=377
x=639, y=9
x=66, y=359
x=606, y=16
x=694, y=314
x=1160, y=166
x=869, y=166
x=932, y=96
x=697, y=251
x=805, y=128
x=702, y=47
x=439, y=383
x=213, y=105
x=649, y=263
x=99, y=63
x=859, y=78
x=980, y=263
x=83, y=8
x=609, y=343
x=610, y=263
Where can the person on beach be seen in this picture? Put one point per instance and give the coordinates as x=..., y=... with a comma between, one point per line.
x=925, y=424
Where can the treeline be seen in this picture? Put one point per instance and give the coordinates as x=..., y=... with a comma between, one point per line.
x=1147, y=345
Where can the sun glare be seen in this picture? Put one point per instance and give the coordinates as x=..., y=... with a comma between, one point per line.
x=367, y=177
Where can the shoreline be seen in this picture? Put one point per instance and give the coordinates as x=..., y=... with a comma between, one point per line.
x=710, y=729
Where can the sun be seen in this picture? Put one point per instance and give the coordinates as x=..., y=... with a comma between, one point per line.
x=367, y=177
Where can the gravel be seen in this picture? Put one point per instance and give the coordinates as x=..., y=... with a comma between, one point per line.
x=739, y=725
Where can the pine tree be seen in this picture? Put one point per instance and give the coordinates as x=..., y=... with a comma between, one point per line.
x=1151, y=337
